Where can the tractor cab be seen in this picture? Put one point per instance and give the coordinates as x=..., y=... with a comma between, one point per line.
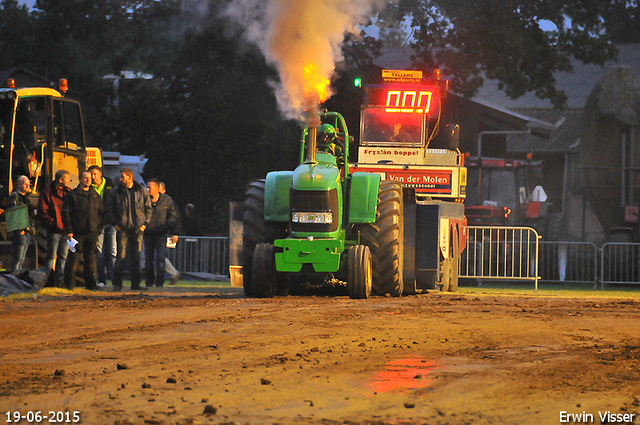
x=505, y=192
x=497, y=191
x=398, y=129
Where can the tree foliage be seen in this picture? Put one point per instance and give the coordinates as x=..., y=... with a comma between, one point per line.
x=622, y=20
x=503, y=40
x=16, y=35
x=223, y=120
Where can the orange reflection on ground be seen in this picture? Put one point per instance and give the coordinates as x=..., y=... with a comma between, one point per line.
x=406, y=373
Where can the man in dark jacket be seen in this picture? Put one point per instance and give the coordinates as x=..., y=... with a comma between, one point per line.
x=106, y=248
x=169, y=268
x=83, y=215
x=191, y=221
x=50, y=217
x=128, y=209
x=163, y=223
x=20, y=237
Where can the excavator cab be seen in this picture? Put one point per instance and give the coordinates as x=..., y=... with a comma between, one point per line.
x=40, y=133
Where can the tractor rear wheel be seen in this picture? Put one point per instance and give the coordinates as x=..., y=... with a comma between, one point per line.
x=385, y=239
x=360, y=272
x=255, y=230
x=265, y=284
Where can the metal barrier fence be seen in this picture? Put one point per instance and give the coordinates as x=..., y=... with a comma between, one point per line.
x=201, y=254
x=506, y=253
x=514, y=253
x=568, y=262
x=619, y=263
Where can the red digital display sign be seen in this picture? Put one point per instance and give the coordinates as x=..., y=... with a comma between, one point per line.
x=406, y=99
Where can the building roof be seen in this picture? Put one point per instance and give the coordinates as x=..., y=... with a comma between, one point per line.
x=129, y=75
x=538, y=124
x=566, y=136
x=576, y=84
x=23, y=77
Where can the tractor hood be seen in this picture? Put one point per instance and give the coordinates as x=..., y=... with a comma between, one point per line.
x=316, y=176
x=323, y=178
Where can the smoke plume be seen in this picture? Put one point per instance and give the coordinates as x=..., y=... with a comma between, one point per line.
x=301, y=38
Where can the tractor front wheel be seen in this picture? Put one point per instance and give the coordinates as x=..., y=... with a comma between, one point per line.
x=360, y=272
x=265, y=284
x=256, y=230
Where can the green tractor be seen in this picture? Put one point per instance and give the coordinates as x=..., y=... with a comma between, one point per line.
x=391, y=223
x=299, y=224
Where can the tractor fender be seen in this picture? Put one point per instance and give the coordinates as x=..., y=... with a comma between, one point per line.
x=363, y=197
x=276, y=195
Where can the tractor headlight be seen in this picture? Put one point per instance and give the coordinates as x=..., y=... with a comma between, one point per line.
x=312, y=217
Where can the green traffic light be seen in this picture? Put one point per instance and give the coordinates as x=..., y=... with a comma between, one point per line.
x=357, y=82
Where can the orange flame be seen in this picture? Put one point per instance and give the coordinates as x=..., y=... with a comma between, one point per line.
x=315, y=87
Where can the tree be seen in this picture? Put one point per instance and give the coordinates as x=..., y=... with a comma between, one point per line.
x=622, y=21
x=221, y=120
x=16, y=35
x=502, y=39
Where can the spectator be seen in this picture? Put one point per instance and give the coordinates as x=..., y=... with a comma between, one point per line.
x=83, y=214
x=162, y=224
x=191, y=221
x=20, y=237
x=50, y=217
x=106, y=247
x=128, y=209
x=173, y=273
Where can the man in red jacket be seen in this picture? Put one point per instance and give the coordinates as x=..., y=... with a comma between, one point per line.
x=50, y=217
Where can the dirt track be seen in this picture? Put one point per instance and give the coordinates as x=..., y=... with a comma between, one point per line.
x=162, y=357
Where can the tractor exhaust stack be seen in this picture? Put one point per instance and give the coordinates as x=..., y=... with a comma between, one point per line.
x=313, y=122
